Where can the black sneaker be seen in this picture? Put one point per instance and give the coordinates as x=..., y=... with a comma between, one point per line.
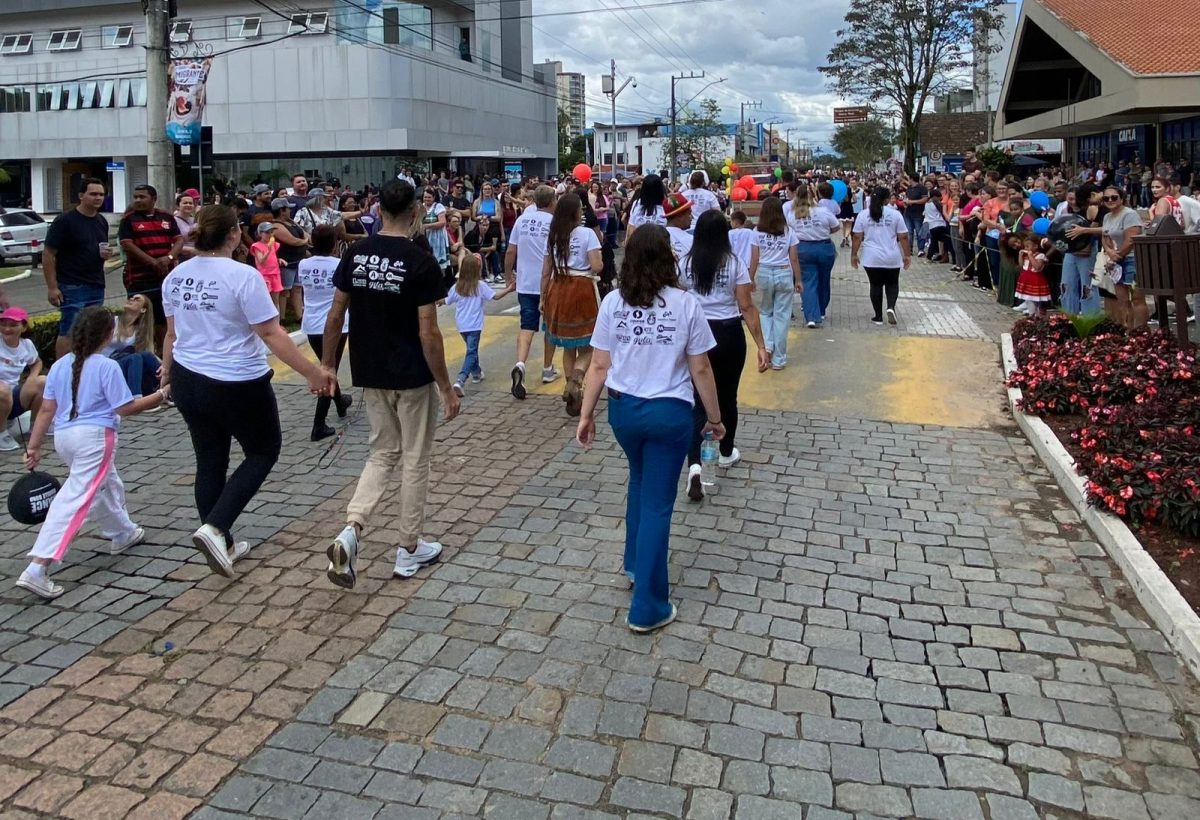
x=343, y=403
x=518, y=382
x=877, y=320
x=321, y=431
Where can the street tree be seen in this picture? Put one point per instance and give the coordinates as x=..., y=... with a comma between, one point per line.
x=698, y=136
x=863, y=143
x=903, y=53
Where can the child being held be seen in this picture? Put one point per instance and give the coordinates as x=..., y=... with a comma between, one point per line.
x=1032, y=286
x=85, y=395
x=468, y=295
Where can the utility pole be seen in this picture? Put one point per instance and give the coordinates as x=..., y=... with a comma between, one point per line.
x=691, y=75
x=787, y=144
x=771, y=136
x=738, y=147
x=160, y=159
x=609, y=86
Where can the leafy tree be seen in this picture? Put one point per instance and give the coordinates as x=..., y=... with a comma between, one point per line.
x=996, y=159
x=698, y=136
x=903, y=53
x=564, y=141
x=863, y=143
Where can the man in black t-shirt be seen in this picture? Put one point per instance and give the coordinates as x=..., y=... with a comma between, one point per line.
x=914, y=212
x=397, y=357
x=73, y=261
x=457, y=199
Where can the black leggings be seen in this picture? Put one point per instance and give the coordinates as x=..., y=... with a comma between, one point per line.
x=217, y=412
x=883, y=279
x=939, y=242
x=727, y=360
x=317, y=343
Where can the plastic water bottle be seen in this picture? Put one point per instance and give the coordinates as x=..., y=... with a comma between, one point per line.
x=708, y=460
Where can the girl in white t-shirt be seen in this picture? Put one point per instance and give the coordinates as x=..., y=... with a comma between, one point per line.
x=647, y=207
x=85, y=394
x=18, y=357
x=714, y=274
x=741, y=237
x=570, y=273
x=881, y=242
x=651, y=343
x=468, y=296
x=775, y=271
x=316, y=276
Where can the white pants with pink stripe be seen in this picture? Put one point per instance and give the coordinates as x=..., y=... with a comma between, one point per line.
x=92, y=492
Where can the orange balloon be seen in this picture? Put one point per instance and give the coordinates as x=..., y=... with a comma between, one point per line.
x=733, y=167
x=739, y=195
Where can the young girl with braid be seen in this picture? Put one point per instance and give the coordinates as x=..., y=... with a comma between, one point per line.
x=85, y=394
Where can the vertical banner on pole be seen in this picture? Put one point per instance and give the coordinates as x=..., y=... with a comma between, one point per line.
x=185, y=81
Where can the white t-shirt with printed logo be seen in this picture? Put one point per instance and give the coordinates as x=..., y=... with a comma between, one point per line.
x=773, y=250
x=702, y=200
x=316, y=276
x=681, y=245
x=742, y=239
x=639, y=217
x=583, y=241
x=880, y=247
x=529, y=236
x=14, y=360
x=649, y=346
x=721, y=302
x=214, y=301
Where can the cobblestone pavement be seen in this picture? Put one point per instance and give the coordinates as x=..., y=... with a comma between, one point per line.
x=876, y=619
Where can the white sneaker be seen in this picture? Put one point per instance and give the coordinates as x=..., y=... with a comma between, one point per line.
x=8, y=443
x=21, y=425
x=211, y=543
x=342, y=554
x=813, y=325
x=137, y=536
x=476, y=378
x=891, y=316
x=728, y=461
x=518, y=381
x=240, y=550
x=458, y=389
x=550, y=375
x=39, y=585
x=407, y=563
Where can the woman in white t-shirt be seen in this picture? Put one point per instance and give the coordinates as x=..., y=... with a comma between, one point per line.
x=651, y=342
x=814, y=229
x=701, y=198
x=570, y=294
x=219, y=315
x=647, y=207
x=721, y=281
x=775, y=271
x=316, y=277
x=881, y=242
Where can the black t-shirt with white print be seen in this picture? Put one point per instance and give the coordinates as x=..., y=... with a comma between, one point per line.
x=388, y=279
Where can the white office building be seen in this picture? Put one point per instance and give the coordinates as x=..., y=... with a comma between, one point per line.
x=990, y=57
x=352, y=89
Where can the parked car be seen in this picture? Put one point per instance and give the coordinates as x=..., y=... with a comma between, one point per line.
x=22, y=233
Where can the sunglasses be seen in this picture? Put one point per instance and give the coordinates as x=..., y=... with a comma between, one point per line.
x=1112, y=199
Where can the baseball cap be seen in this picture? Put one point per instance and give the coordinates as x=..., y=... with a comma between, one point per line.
x=192, y=192
x=265, y=227
x=314, y=195
x=15, y=314
x=261, y=189
x=676, y=204
x=280, y=202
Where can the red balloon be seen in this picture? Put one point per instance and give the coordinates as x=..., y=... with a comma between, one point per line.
x=746, y=182
x=582, y=172
x=739, y=195
x=733, y=167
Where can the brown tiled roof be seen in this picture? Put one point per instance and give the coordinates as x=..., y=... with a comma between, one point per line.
x=1166, y=41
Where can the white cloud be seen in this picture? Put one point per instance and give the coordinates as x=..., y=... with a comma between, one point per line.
x=767, y=51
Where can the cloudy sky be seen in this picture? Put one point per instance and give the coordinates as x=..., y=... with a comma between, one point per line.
x=766, y=50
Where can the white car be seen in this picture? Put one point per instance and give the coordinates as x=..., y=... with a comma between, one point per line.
x=22, y=233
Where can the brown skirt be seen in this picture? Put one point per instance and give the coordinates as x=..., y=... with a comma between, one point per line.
x=570, y=310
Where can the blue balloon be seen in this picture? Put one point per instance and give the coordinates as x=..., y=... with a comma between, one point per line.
x=839, y=190
x=1041, y=226
x=1039, y=200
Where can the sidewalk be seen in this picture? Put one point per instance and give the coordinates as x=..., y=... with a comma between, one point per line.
x=877, y=617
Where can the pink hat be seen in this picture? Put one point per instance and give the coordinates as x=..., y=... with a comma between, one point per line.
x=15, y=314
x=192, y=192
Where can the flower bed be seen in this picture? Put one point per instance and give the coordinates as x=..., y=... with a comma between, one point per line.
x=1136, y=412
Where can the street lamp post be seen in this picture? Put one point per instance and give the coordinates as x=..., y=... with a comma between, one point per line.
x=610, y=88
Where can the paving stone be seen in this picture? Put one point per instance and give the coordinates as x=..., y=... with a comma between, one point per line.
x=888, y=801
x=801, y=786
x=446, y=766
x=286, y=800
x=911, y=769
x=581, y=756
x=944, y=804
x=736, y=741
x=631, y=793
x=760, y=808
x=1055, y=791
x=1010, y=808
x=854, y=763
x=572, y=788
x=1105, y=802
x=976, y=773
x=334, y=806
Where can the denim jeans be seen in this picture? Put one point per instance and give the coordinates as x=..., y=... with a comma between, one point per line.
x=816, y=269
x=914, y=222
x=141, y=372
x=470, y=365
x=776, y=289
x=1078, y=295
x=74, y=299
x=654, y=433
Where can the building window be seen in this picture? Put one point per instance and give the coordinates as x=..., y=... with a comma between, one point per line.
x=16, y=44
x=309, y=22
x=67, y=40
x=107, y=87
x=623, y=136
x=408, y=24
x=116, y=36
x=243, y=28
x=15, y=99
x=607, y=134
x=131, y=93
x=181, y=31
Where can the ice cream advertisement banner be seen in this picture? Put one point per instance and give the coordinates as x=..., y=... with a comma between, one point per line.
x=185, y=82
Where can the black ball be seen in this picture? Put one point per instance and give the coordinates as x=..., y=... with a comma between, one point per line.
x=30, y=497
x=1058, y=234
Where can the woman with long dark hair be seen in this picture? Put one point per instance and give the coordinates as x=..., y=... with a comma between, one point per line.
x=882, y=239
x=721, y=281
x=647, y=206
x=569, y=293
x=651, y=388
x=219, y=316
x=775, y=269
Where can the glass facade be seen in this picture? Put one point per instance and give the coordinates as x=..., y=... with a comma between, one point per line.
x=1181, y=140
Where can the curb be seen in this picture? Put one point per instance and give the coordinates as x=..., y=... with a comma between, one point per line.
x=17, y=277
x=1177, y=621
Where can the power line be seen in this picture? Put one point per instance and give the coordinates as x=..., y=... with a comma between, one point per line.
x=648, y=43
x=670, y=41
